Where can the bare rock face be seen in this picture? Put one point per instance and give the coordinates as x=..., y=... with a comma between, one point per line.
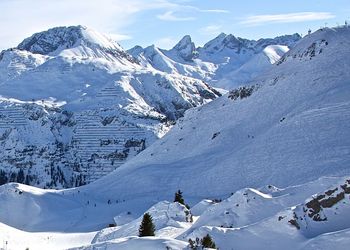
x=324, y=211
x=185, y=48
x=49, y=41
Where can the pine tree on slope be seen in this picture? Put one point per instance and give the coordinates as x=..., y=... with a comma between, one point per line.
x=147, y=227
x=179, y=198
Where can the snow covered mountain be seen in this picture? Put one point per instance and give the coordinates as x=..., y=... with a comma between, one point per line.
x=74, y=106
x=224, y=62
x=290, y=126
x=286, y=136
x=97, y=106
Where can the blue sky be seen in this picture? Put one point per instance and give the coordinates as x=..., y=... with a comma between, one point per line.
x=164, y=22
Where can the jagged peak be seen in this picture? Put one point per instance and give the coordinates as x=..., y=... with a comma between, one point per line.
x=148, y=51
x=222, y=35
x=184, y=42
x=135, y=51
x=135, y=48
x=152, y=48
x=185, y=48
x=216, y=40
x=221, y=41
x=287, y=40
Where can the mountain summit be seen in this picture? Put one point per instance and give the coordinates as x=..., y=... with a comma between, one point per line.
x=185, y=48
x=54, y=40
x=77, y=42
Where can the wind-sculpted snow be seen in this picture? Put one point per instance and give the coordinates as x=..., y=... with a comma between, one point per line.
x=248, y=219
x=170, y=220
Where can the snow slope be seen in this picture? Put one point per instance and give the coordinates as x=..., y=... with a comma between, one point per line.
x=250, y=218
x=257, y=65
x=17, y=239
x=291, y=129
x=277, y=231
x=257, y=220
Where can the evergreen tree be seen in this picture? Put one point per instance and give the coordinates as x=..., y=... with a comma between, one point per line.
x=179, y=198
x=3, y=177
x=147, y=227
x=20, y=176
x=207, y=242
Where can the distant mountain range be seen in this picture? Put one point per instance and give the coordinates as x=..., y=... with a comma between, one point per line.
x=224, y=62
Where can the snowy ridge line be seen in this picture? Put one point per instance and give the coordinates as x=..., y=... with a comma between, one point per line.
x=225, y=62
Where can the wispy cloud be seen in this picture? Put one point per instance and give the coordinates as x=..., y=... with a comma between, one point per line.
x=177, y=12
x=257, y=20
x=211, y=29
x=212, y=11
x=170, y=16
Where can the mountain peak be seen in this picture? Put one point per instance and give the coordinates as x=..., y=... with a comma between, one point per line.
x=222, y=41
x=185, y=48
x=57, y=39
x=222, y=35
x=185, y=41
